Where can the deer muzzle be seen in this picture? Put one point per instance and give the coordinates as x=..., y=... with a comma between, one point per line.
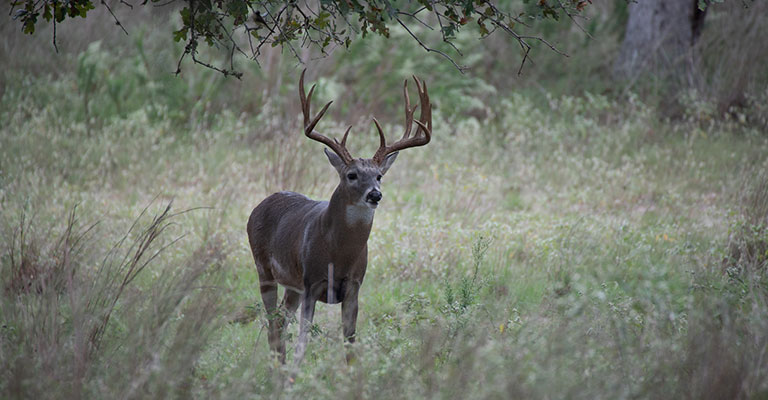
x=373, y=197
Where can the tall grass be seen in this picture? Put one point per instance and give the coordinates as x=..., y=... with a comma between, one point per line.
x=75, y=323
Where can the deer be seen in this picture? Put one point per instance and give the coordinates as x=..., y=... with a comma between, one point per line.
x=318, y=250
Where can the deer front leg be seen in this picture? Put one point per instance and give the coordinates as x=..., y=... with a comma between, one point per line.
x=349, y=316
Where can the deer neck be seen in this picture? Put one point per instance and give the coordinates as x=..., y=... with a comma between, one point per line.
x=346, y=220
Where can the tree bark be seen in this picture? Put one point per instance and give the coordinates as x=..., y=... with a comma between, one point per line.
x=659, y=39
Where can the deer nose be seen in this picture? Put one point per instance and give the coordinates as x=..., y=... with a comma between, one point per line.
x=374, y=196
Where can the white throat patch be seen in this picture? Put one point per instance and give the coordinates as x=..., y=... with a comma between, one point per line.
x=358, y=214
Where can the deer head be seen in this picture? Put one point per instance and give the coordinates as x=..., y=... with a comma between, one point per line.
x=360, y=179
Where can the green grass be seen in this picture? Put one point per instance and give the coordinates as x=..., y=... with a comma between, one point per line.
x=579, y=247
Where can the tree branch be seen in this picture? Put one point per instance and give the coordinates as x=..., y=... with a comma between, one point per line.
x=117, y=21
x=461, y=68
x=565, y=10
x=296, y=23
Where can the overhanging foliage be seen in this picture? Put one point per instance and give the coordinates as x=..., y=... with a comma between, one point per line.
x=244, y=27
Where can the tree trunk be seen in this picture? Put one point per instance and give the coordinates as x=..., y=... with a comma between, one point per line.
x=659, y=39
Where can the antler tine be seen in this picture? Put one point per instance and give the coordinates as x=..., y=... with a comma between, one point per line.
x=426, y=110
x=304, y=98
x=425, y=125
x=382, y=139
x=309, y=124
x=344, y=139
x=408, y=111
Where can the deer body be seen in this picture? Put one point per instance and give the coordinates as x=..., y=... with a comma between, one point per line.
x=318, y=249
x=316, y=234
x=303, y=228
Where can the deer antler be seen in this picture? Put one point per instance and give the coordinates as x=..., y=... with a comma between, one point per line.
x=425, y=124
x=309, y=124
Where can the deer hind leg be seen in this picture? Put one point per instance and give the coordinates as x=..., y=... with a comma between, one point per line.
x=268, y=288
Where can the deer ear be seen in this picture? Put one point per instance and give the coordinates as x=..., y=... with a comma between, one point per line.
x=335, y=160
x=388, y=162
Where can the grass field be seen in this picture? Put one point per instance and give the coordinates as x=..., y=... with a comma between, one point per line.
x=551, y=246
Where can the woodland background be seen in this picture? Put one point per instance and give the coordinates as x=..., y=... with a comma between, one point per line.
x=570, y=232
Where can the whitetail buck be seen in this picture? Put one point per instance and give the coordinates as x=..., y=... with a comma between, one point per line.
x=318, y=249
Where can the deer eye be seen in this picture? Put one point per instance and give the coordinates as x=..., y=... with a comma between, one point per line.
x=351, y=176
x=378, y=178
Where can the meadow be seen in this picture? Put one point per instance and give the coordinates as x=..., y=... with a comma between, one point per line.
x=548, y=243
